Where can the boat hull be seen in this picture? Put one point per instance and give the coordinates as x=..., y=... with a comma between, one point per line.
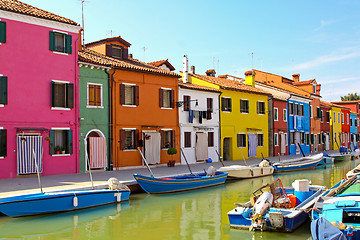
x=43, y=203
x=177, y=184
x=341, y=157
x=237, y=171
x=327, y=160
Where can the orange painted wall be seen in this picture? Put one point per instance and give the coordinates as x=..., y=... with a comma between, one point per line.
x=98, y=48
x=148, y=113
x=315, y=123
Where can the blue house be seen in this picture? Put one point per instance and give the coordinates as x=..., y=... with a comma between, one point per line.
x=354, y=123
x=298, y=124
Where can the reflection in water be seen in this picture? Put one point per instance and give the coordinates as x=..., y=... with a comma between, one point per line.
x=200, y=214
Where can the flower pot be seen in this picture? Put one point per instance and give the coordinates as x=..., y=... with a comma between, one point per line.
x=171, y=163
x=57, y=152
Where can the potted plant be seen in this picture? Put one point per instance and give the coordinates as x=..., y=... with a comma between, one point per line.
x=63, y=150
x=171, y=151
x=47, y=138
x=58, y=149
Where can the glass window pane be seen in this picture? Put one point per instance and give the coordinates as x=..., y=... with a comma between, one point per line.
x=129, y=95
x=59, y=42
x=59, y=92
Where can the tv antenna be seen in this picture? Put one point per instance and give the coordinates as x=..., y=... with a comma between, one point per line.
x=83, y=21
x=144, y=49
x=252, y=60
x=109, y=32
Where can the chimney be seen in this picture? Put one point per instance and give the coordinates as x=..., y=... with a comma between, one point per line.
x=318, y=88
x=210, y=72
x=250, y=78
x=296, y=77
x=130, y=55
x=192, y=69
x=185, y=69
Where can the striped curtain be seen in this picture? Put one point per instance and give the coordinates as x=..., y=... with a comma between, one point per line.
x=98, y=158
x=26, y=145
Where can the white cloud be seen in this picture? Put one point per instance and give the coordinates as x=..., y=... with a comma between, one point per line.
x=338, y=80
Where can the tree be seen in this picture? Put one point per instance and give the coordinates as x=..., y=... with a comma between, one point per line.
x=350, y=97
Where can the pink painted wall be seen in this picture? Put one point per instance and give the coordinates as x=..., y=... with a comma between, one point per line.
x=30, y=66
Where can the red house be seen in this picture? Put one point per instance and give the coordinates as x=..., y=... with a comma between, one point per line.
x=325, y=126
x=280, y=117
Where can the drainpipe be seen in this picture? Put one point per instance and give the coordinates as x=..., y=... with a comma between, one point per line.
x=271, y=126
x=77, y=109
x=288, y=123
x=110, y=83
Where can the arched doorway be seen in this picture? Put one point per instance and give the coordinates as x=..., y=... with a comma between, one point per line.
x=95, y=150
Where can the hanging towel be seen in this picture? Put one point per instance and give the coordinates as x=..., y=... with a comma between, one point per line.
x=298, y=122
x=295, y=122
x=97, y=153
x=252, y=144
x=200, y=117
x=191, y=116
x=26, y=145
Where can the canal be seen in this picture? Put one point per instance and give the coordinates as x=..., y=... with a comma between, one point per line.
x=200, y=214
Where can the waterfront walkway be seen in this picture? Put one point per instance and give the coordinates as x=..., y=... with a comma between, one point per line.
x=23, y=185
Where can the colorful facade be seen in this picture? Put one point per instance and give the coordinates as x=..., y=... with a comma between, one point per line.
x=345, y=127
x=354, y=124
x=335, y=126
x=325, y=125
x=39, y=105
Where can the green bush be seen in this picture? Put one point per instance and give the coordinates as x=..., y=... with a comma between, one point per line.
x=172, y=151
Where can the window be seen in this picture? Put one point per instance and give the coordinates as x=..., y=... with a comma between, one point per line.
x=115, y=51
x=62, y=94
x=3, y=90
x=129, y=138
x=226, y=104
x=291, y=108
x=302, y=138
x=285, y=115
x=286, y=139
x=2, y=32
x=342, y=118
x=297, y=109
x=61, y=142
x=347, y=119
x=356, y=122
x=166, y=98
x=314, y=89
x=186, y=102
x=307, y=138
x=276, y=139
x=312, y=139
x=129, y=94
x=260, y=138
x=334, y=117
x=335, y=138
x=311, y=111
x=327, y=116
x=3, y=142
x=60, y=42
x=210, y=139
x=244, y=106
x=319, y=113
x=167, y=138
x=351, y=122
x=260, y=107
x=339, y=118
x=209, y=108
x=319, y=138
x=94, y=95
x=322, y=115
x=302, y=112
x=241, y=140
x=187, y=138
x=276, y=114
x=292, y=137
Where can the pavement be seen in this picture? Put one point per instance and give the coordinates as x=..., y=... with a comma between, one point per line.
x=25, y=185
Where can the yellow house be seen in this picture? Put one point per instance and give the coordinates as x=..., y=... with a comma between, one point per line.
x=335, y=126
x=243, y=117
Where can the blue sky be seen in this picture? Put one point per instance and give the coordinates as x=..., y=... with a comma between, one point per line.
x=318, y=39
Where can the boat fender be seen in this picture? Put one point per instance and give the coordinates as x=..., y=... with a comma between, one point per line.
x=75, y=201
x=251, y=172
x=349, y=232
x=118, y=197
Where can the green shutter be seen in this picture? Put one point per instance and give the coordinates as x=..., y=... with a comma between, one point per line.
x=69, y=142
x=52, y=142
x=2, y=32
x=3, y=90
x=3, y=141
x=69, y=95
x=222, y=104
x=68, y=44
x=52, y=41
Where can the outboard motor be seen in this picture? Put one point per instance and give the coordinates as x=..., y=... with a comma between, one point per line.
x=261, y=207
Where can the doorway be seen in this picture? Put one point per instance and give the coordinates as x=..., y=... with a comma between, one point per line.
x=29, y=154
x=152, y=147
x=201, y=146
x=297, y=142
x=226, y=148
x=96, y=150
x=282, y=144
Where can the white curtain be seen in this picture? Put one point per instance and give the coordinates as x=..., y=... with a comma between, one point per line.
x=252, y=144
x=327, y=142
x=201, y=147
x=282, y=144
x=152, y=148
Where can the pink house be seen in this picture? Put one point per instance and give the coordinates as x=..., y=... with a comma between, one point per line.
x=38, y=91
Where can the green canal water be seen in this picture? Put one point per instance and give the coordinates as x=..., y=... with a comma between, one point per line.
x=199, y=214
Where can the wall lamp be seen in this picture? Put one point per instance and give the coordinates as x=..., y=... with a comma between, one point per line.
x=181, y=103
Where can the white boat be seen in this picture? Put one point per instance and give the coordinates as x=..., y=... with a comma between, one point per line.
x=353, y=172
x=355, y=154
x=239, y=171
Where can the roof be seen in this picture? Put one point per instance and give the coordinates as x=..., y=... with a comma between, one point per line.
x=339, y=106
x=112, y=39
x=326, y=104
x=90, y=56
x=230, y=84
x=304, y=82
x=26, y=9
x=161, y=62
x=197, y=87
x=346, y=102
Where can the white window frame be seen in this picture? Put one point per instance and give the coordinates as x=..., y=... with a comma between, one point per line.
x=61, y=129
x=248, y=106
x=285, y=115
x=348, y=118
x=64, y=33
x=167, y=89
x=61, y=108
x=227, y=111
x=129, y=105
x=311, y=111
x=286, y=139
x=276, y=139
x=245, y=140
x=257, y=105
x=277, y=114
x=262, y=139
x=302, y=109
x=129, y=150
x=101, y=96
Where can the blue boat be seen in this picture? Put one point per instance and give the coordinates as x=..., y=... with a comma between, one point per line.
x=326, y=160
x=298, y=164
x=284, y=213
x=180, y=183
x=341, y=207
x=60, y=201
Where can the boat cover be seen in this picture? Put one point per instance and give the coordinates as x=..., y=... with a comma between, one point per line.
x=322, y=229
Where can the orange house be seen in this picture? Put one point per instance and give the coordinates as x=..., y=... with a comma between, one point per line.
x=144, y=114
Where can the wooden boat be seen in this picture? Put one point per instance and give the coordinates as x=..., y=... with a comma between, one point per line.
x=239, y=171
x=298, y=163
x=326, y=160
x=341, y=207
x=61, y=201
x=339, y=157
x=180, y=183
x=285, y=212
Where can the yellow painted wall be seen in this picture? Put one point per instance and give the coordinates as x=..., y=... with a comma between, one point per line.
x=335, y=127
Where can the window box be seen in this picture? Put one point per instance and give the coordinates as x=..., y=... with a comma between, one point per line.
x=129, y=139
x=167, y=139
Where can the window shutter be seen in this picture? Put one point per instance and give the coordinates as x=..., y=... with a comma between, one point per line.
x=136, y=95
x=97, y=94
x=109, y=50
x=69, y=95
x=52, y=41
x=122, y=139
x=173, y=144
x=222, y=104
x=172, y=98
x=161, y=94
x=68, y=43
x=122, y=94
x=52, y=142
x=3, y=141
x=3, y=90
x=230, y=107
x=2, y=32
x=162, y=136
x=69, y=142
x=186, y=103
x=136, y=144
x=125, y=53
x=91, y=95
x=52, y=94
